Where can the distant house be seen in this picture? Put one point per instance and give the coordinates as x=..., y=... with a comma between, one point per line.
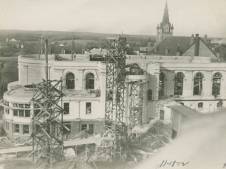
x=98, y=51
x=13, y=40
x=144, y=50
x=97, y=54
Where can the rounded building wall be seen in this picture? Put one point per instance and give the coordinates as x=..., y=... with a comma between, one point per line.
x=17, y=113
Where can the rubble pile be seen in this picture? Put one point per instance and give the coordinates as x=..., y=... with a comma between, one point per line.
x=5, y=142
x=147, y=144
x=22, y=141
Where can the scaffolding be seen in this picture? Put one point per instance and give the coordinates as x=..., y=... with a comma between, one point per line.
x=115, y=94
x=135, y=99
x=47, y=119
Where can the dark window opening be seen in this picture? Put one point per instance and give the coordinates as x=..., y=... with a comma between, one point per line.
x=135, y=70
x=161, y=84
x=149, y=94
x=162, y=114
x=90, y=81
x=66, y=108
x=84, y=127
x=16, y=128
x=91, y=129
x=27, y=113
x=21, y=113
x=178, y=87
x=88, y=108
x=25, y=129
x=220, y=104
x=70, y=81
x=27, y=105
x=197, y=90
x=200, y=105
x=21, y=106
x=15, y=112
x=216, y=85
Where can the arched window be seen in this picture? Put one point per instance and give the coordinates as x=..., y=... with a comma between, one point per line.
x=179, y=81
x=200, y=105
x=90, y=81
x=197, y=89
x=161, y=84
x=216, y=85
x=70, y=81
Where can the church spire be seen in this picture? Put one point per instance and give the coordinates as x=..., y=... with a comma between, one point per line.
x=165, y=28
x=165, y=18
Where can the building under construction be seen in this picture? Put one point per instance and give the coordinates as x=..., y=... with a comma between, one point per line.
x=67, y=96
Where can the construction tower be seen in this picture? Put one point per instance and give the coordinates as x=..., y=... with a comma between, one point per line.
x=47, y=120
x=115, y=93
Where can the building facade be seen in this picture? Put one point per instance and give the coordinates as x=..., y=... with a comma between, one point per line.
x=83, y=86
x=195, y=82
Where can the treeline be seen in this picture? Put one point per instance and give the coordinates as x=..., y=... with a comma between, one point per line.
x=82, y=41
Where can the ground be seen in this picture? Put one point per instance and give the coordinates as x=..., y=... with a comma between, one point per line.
x=201, y=145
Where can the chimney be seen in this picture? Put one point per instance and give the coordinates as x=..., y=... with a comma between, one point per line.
x=206, y=39
x=178, y=50
x=197, y=45
x=192, y=39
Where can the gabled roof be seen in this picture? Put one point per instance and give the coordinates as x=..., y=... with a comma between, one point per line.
x=204, y=48
x=172, y=45
x=178, y=45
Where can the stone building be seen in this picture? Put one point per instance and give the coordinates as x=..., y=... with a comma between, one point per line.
x=83, y=86
x=196, y=82
x=193, y=81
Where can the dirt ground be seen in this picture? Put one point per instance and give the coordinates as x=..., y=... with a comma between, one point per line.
x=138, y=149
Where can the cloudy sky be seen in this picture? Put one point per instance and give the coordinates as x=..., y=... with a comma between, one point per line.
x=114, y=16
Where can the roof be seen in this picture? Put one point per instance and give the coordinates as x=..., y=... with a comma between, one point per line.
x=201, y=49
x=20, y=94
x=172, y=44
x=98, y=51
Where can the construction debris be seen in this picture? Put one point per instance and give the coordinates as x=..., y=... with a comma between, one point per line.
x=149, y=142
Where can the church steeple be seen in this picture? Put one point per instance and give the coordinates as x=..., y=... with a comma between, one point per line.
x=165, y=28
x=165, y=18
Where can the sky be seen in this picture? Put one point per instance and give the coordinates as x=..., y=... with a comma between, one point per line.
x=115, y=16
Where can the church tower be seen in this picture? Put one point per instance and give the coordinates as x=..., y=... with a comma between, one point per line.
x=165, y=28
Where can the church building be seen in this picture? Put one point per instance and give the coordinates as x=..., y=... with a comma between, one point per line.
x=165, y=28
